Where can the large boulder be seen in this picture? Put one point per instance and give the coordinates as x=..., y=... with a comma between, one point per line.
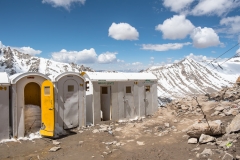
x=234, y=125
x=197, y=129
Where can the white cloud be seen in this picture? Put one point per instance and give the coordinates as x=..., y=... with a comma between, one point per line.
x=63, y=3
x=204, y=37
x=136, y=63
x=177, y=5
x=232, y=24
x=214, y=7
x=198, y=57
x=120, y=61
x=164, y=47
x=107, y=57
x=84, y=56
x=123, y=31
x=177, y=27
x=27, y=50
x=152, y=58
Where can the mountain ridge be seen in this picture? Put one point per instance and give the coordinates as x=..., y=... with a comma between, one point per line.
x=12, y=61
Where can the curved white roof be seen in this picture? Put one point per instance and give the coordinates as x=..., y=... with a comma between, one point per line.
x=4, y=79
x=16, y=77
x=68, y=74
x=101, y=76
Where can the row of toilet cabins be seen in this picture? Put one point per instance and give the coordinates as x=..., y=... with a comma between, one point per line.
x=73, y=100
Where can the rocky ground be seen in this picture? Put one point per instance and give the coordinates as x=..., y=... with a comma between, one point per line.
x=178, y=131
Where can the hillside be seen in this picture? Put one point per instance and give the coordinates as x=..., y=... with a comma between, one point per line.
x=189, y=77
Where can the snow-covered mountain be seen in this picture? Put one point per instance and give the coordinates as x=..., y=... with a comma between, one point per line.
x=13, y=61
x=189, y=76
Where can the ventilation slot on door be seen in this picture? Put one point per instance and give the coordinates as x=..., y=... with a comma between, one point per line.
x=70, y=88
x=128, y=89
x=46, y=90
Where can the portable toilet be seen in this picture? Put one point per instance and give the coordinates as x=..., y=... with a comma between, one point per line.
x=70, y=103
x=32, y=103
x=4, y=105
x=145, y=92
x=119, y=96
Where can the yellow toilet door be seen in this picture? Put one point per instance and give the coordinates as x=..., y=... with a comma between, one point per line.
x=47, y=107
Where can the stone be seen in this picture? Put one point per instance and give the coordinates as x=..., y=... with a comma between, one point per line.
x=55, y=142
x=215, y=113
x=233, y=112
x=140, y=143
x=237, y=156
x=234, y=125
x=227, y=156
x=183, y=107
x=197, y=129
x=54, y=149
x=206, y=153
x=195, y=149
x=206, y=138
x=192, y=140
x=219, y=108
x=166, y=124
x=175, y=121
x=95, y=131
x=80, y=142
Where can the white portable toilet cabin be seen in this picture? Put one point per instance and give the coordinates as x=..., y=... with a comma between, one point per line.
x=70, y=103
x=144, y=90
x=120, y=96
x=32, y=104
x=4, y=105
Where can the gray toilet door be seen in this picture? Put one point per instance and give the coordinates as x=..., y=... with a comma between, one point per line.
x=70, y=113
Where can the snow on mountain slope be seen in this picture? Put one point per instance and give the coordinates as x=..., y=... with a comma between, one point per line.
x=230, y=69
x=189, y=77
x=13, y=61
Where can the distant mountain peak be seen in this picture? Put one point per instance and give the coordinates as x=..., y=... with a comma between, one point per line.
x=12, y=61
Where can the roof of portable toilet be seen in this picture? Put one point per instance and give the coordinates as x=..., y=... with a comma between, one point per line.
x=101, y=76
x=16, y=77
x=140, y=76
x=59, y=76
x=4, y=80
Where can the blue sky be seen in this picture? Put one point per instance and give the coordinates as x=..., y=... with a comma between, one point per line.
x=120, y=34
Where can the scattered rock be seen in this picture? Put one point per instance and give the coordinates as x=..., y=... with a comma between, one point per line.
x=227, y=156
x=197, y=129
x=95, y=131
x=54, y=149
x=206, y=138
x=219, y=108
x=166, y=124
x=140, y=143
x=206, y=153
x=55, y=142
x=195, y=149
x=192, y=140
x=175, y=121
x=80, y=142
x=234, y=126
